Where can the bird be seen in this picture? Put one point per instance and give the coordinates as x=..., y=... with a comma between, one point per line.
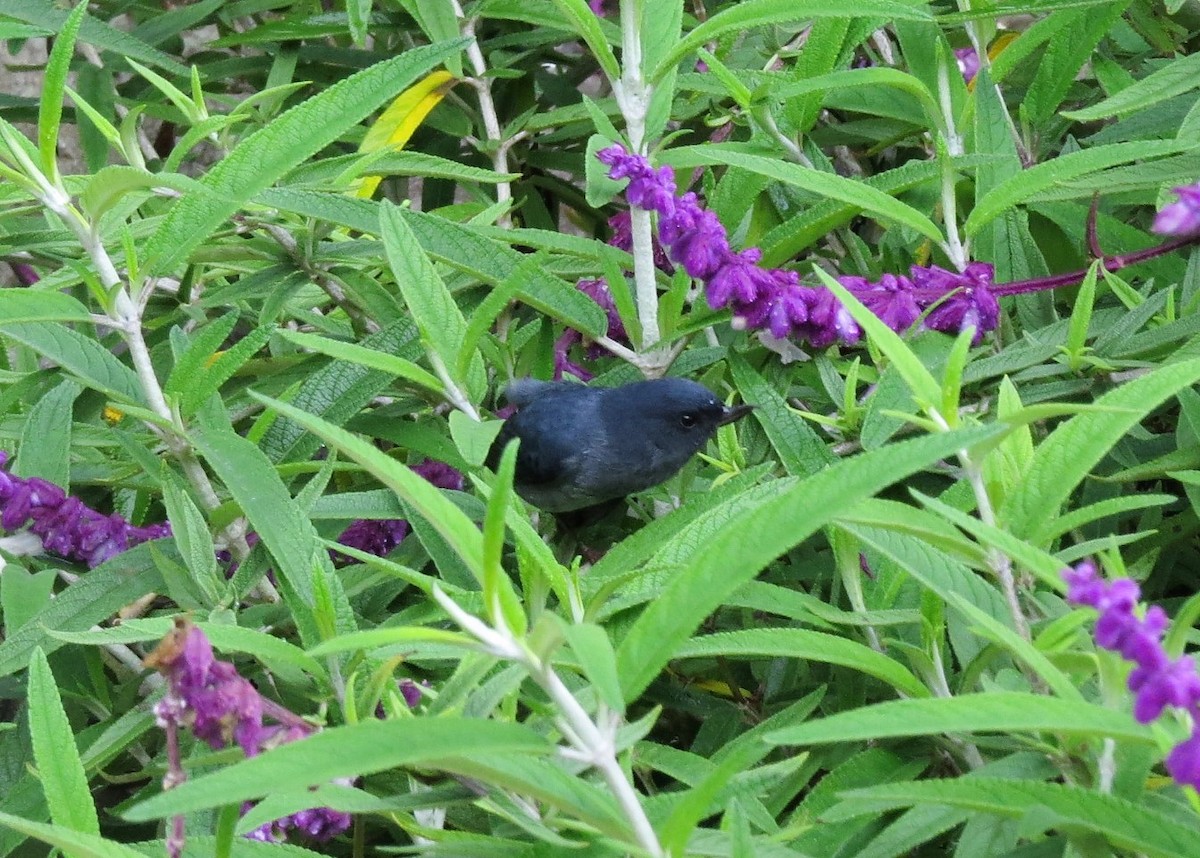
x=584, y=446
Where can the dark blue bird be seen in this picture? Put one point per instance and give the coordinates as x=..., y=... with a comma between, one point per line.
x=582, y=446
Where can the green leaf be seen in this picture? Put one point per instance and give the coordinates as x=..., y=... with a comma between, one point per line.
x=55, y=753
x=74, y=843
x=446, y=743
x=190, y=532
x=46, y=437
x=53, y=81
x=1125, y=824
x=873, y=78
x=1067, y=455
x=499, y=598
x=925, y=388
x=449, y=521
x=222, y=369
x=278, y=520
x=1182, y=75
x=459, y=246
x=44, y=14
x=433, y=308
x=338, y=392
x=80, y=355
x=198, y=354
x=800, y=449
x=40, y=305
x=807, y=646
x=593, y=650
x=1060, y=169
x=266, y=155
x=754, y=13
x=989, y=712
x=586, y=25
x=823, y=184
x=87, y=601
x=778, y=523
x=368, y=357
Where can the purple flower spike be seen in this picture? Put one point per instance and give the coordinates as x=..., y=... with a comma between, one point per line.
x=1157, y=680
x=1181, y=217
x=66, y=526
x=222, y=708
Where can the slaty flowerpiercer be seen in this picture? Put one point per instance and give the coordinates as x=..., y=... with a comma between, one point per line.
x=582, y=446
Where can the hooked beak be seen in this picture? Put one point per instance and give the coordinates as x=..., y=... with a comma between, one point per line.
x=734, y=412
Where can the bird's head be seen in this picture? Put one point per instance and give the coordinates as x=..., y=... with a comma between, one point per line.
x=674, y=408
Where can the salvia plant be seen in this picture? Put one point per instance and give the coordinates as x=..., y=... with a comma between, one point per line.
x=270, y=264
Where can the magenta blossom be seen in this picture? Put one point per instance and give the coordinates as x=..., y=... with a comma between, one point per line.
x=1181, y=217
x=1157, y=680
x=221, y=708
x=774, y=299
x=380, y=536
x=66, y=526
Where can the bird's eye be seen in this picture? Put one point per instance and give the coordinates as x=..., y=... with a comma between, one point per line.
x=687, y=421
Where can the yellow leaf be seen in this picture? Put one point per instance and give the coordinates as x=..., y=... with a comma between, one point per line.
x=403, y=116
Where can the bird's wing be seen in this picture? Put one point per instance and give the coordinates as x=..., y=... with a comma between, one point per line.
x=538, y=464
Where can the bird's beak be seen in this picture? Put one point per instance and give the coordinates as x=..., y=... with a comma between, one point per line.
x=734, y=412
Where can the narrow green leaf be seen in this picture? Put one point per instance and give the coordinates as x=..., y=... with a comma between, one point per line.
x=266, y=155
x=989, y=712
x=368, y=357
x=74, y=843
x=444, y=743
x=1068, y=454
x=80, y=355
x=40, y=305
x=432, y=306
x=586, y=25
x=500, y=599
x=449, y=521
x=754, y=13
x=278, y=520
x=925, y=388
x=45, y=449
x=87, y=601
x=1126, y=825
x=53, y=81
x=338, y=392
x=829, y=185
x=190, y=532
x=593, y=650
x=1060, y=169
x=55, y=753
x=199, y=353
x=778, y=523
x=1182, y=75
x=800, y=449
x=807, y=646
x=460, y=246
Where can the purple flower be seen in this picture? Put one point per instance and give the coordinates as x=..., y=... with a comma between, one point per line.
x=966, y=299
x=892, y=299
x=380, y=536
x=738, y=280
x=67, y=526
x=1181, y=217
x=221, y=707
x=1183, y=763
x=968, y=62
x=1157, y=680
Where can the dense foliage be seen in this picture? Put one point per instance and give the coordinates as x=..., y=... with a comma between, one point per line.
x=933, y=597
